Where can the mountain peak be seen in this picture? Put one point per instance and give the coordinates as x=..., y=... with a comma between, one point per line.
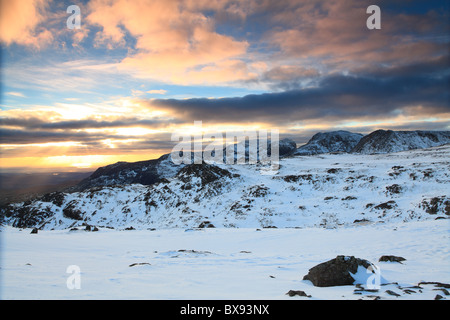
x=334, y=141
x=387, y=141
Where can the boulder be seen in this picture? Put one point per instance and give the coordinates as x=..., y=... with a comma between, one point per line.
x=391, y=259
x=336, y=272
x=292, y=293
x=206, y=224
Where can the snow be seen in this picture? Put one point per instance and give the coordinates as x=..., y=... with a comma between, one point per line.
x=325, y=205
x=382, y=141
x=335, y=141
x=223, y=263
x=329, y=190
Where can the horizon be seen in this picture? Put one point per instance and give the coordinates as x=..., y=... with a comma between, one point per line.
x=112, y=82
x=70, y=170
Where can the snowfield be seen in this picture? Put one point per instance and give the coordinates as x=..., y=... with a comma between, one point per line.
x=268, y=232
x=221, y=263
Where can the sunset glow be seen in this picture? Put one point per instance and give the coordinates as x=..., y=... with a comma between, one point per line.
x=137, y=71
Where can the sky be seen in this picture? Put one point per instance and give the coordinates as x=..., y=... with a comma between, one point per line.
x=135, y=72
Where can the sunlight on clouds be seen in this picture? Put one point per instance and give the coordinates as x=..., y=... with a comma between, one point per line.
x=305, y=66
x=192, y=129
x=19, y=20
x=75, y=162
x=173, y=41
x=65, y=144
x=134, y=131
x=157, y=91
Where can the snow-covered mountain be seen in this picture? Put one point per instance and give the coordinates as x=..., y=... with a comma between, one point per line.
x=325, y=142
x=379, y=141
x=382, y=141
x=124, y=173
x=329, y=190
x=152, y=171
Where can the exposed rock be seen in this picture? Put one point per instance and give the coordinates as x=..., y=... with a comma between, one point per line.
x=436, y=205
x=388, y=258
x=139, y=264
x=436, y=284
x=394, y=189
x=386, y=205
x=336, y=272
x=57, y=198
x=444, y=291
x=392, y=293
x=292, y=293
x=28, y=216
x=206, y=224
x=206, y=172
x=35, y=230
x=70, y=211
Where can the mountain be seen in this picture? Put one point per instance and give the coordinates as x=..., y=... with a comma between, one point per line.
x=382, y=141
x=325, y=142
x=121, y=173
x=152, y=171
x=329, y=191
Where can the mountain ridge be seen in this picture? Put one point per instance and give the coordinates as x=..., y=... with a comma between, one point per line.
x=326, y=191
x=388, y=141
x=149, y=172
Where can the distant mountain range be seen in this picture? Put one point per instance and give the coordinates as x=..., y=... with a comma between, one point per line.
x=152, y=171
x=389, y=141
x=380, y=141
x=327, y=190
x=367, y=177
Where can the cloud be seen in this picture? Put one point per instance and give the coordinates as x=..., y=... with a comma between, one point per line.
x=20, y=22
x=384, y=93
x=175, y=41
x=334, y=33
x=15, y=94
x=56, y=75
x=269, y=45
x=42, y=123
x=319, y=65
x=157, y=91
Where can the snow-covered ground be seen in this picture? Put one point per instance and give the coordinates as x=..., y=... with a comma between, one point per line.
x=323, y=206
x=326, y=190
x=222, y=263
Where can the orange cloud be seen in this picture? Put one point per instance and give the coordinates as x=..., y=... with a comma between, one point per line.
x=19, y=21
x=174, y=42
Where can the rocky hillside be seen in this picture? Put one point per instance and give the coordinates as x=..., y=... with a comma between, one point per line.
x=382, y=141
x=328, y=190
x=325, y=142
x=153, y=171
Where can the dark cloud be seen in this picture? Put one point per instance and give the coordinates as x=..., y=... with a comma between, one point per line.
x=41, y=124
x=338, y=97
x=23, y=136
